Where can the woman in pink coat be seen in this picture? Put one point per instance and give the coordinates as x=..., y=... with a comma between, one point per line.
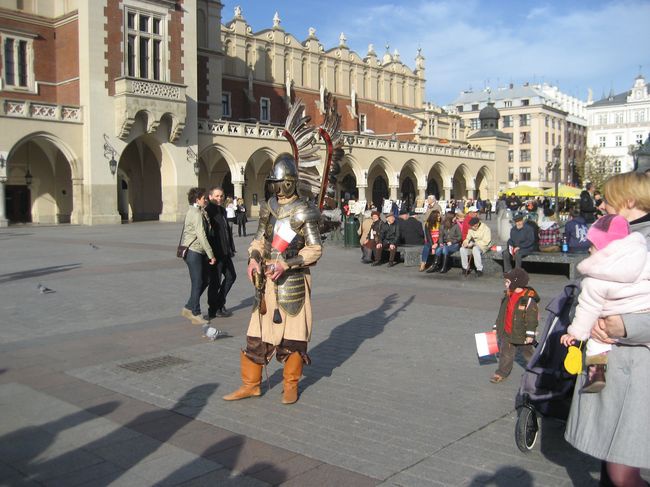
x=617, y=282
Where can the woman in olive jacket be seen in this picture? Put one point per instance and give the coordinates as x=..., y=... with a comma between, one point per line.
x=199, y=253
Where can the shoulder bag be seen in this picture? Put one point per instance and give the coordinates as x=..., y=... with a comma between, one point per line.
x=181, y=250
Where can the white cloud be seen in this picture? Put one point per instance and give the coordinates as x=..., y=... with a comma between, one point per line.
x=468, y=45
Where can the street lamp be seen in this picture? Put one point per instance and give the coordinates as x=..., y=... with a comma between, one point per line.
x=109, y=151
x=557, y=152
x=642, y=157
x=28, y=177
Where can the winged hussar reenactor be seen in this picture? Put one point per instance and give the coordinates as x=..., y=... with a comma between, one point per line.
x=286, y=245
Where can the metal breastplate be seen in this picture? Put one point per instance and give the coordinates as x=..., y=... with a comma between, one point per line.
x=291, y=286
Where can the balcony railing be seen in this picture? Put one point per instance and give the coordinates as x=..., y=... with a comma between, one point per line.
x=150, y=89
x=41, y=111
x=259, y=131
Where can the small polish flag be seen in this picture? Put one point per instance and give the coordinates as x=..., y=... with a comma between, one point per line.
x=282, y=235
x=486, y=343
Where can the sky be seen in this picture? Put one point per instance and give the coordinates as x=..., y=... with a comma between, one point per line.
x=474, y=44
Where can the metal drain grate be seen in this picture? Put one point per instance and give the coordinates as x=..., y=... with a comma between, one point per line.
x=142, y=366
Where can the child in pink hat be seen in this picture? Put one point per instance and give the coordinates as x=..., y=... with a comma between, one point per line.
x=617, y=281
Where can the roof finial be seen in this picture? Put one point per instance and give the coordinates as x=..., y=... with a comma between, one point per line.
x=238, y=14
x=276, y=20
x=342, y=40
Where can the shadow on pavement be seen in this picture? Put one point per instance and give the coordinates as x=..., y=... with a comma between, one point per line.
x=24, y=445
x=581, y=468
x=345, y=340
x=122, y=447
x=43, y=271
x=504, y=477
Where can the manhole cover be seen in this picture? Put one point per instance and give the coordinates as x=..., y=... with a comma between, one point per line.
x=142, y=366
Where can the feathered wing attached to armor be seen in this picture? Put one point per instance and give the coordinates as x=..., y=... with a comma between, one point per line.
x=302, y=137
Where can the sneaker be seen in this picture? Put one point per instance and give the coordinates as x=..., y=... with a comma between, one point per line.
x=186, y=313
x=479, y=273
x=223, y=313
x=198, y=320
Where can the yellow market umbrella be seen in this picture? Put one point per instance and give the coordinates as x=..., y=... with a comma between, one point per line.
x=564, y=191
x=524, y=190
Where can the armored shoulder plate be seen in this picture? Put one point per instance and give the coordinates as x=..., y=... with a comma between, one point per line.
x=264, y=218
x=307, y=219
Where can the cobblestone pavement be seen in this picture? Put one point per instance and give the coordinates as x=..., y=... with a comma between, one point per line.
x=395, y=395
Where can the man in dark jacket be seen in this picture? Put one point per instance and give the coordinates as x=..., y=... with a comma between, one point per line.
x=389, y=238
x=587, y=206
x=520, y=244
x=221, y=241
x=513, y=202
x=410, y=229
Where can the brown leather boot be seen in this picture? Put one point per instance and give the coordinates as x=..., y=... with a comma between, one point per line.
x=251, y=377
x=291, y=375
x=595, y=379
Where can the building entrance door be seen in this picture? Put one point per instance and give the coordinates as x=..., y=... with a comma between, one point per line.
x=18, y=204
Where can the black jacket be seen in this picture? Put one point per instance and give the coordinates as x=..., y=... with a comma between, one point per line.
x=524, y=238
x=219, y=233
x=587, y=207
x=389, y=234
x=410, y=231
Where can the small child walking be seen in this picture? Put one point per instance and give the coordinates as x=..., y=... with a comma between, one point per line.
x=516, y=322
x=617, y=282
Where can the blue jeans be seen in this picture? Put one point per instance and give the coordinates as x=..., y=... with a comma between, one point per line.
x=426, y=252
x=450, y=249
x=197, y=264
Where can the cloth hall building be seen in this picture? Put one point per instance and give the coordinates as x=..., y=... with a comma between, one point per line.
x=112, y=109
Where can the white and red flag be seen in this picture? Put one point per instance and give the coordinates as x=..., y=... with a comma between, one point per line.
x=486, y=343
x=282, y=235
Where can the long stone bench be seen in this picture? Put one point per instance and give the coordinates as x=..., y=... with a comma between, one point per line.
x=568, y=260
x=411, y=255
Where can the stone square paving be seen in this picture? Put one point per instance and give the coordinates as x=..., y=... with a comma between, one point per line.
x=395, y=395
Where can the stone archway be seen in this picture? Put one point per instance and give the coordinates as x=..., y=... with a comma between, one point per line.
x=436, y=181
x=348, y=188
x=258, y=167
x=483, y=179
x=408, y=192
x=139, y=181
x=379, y=191
x=39, y=186
x=215, y=170
x=460, y=184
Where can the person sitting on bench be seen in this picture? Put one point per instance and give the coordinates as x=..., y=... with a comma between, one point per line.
x=477, y=242
x=520, y=244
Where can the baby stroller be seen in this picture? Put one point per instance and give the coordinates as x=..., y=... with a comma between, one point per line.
x=546, y=387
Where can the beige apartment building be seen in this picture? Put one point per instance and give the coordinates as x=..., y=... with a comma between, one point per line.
x=537, y=118
x=111, y=110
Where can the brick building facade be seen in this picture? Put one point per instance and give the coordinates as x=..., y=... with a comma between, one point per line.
x=112, y=109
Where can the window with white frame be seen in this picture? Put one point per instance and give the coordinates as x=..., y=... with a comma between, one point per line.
x=454, y=130
x=617, y=167
x=602, y=141
x=524, y=174
x=602, y=119
x=145, y=46
x=619, y=117
x=17, y=62
x=524, y=155
x=511, y=156
x=507, y=103
x=225, y=104
x=639, y=138
x=363, y=123
x=507, y=121
x=639, y=116
x=524, y=120
x=475, y=124
x=511, y=174
x=265, y=110
x=432, y=127
x=618, y=140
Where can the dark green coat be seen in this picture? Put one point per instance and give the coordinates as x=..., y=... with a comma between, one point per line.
x=525, y=319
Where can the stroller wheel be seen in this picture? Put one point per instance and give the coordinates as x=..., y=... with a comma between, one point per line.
x=526, y=429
